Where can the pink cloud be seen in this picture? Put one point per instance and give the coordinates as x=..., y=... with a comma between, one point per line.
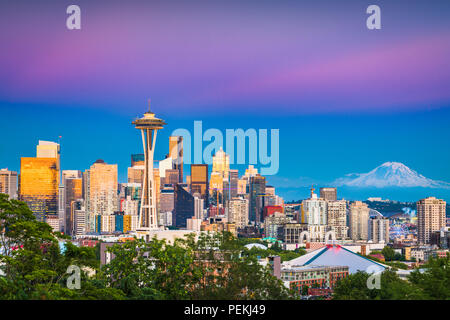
x=390, y=76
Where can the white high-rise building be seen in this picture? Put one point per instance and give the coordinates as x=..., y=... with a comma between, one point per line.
x=79, y=222
x=242, y=186
x=165, y=218
x=359, y=221
x=238, y=212
x=315, y=210
x=430, y=218
x=315, y=213
x=193, y=224
x=279, y=201
x=101, y=192
x=221, y=163
x=166, y=164
x=337, y=218
x=379, y=229
x=61, y=208
x=198, y=207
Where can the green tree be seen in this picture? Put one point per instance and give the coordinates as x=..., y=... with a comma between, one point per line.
x=234, y=275
x=354, y=287
x=31, y=261
x=153, y=270
x=434, y=278
x=398, y=257
x=30, y=257
x=388, y=253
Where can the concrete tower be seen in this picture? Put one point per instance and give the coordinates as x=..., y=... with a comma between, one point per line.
x=149, y=126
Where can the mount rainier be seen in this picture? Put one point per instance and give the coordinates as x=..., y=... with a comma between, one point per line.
x=390, y=174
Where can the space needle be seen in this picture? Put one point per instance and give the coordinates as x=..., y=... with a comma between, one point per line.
x=149, y=126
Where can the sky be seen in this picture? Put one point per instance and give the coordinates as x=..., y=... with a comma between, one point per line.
x=344, y=98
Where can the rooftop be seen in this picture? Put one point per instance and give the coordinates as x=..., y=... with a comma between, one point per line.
x=337, y=256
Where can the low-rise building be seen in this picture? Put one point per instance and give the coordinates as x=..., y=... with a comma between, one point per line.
x=313, y=276
x=53, y=221
x=274, y=225
x=194, y=224
x=218, y=224
x=422, y=253
x=292, y=233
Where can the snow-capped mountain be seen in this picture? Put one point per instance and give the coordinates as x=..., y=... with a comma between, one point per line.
x=390, y=174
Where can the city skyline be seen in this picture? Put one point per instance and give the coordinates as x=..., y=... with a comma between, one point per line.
x=284, y=184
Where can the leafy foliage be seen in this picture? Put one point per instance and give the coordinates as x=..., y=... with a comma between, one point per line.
x=431, y=282
x=31, y=262
x=435, y=278
x=355, y=287
x=388, y=253
x=214, y=266
x=210, y=267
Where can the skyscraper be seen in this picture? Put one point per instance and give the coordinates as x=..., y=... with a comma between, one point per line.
x=198, y=206
x=216, y=182
x=359, y=221
x=251, y=171
x=315, y=210
x=101, y=193
x=136, y=174
x=49, y=149
x=79, y=218
x=337, y=218
x=257, y=189
x=379, y=229
x=157, y=183
x=238, y=212
x=39, y=180
x=221, y=163
x=149, y=126
x=234, y=179
x=184, y=207
x=430, y=218
x=219, y=174
x=73, y=192
x=136, y=171
x=8, y=183
x=167, y=199
x=242, y=186
x=172, y=176
x=39, y=185
x=329, y=194
x=315, y=214
x=199, y=181
x=164, y=165
x=176, y=153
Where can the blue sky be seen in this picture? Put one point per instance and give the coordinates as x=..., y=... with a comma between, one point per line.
x=313, y=148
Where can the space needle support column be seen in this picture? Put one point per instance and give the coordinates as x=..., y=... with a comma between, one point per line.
x=144, y=182
x=153, y=207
